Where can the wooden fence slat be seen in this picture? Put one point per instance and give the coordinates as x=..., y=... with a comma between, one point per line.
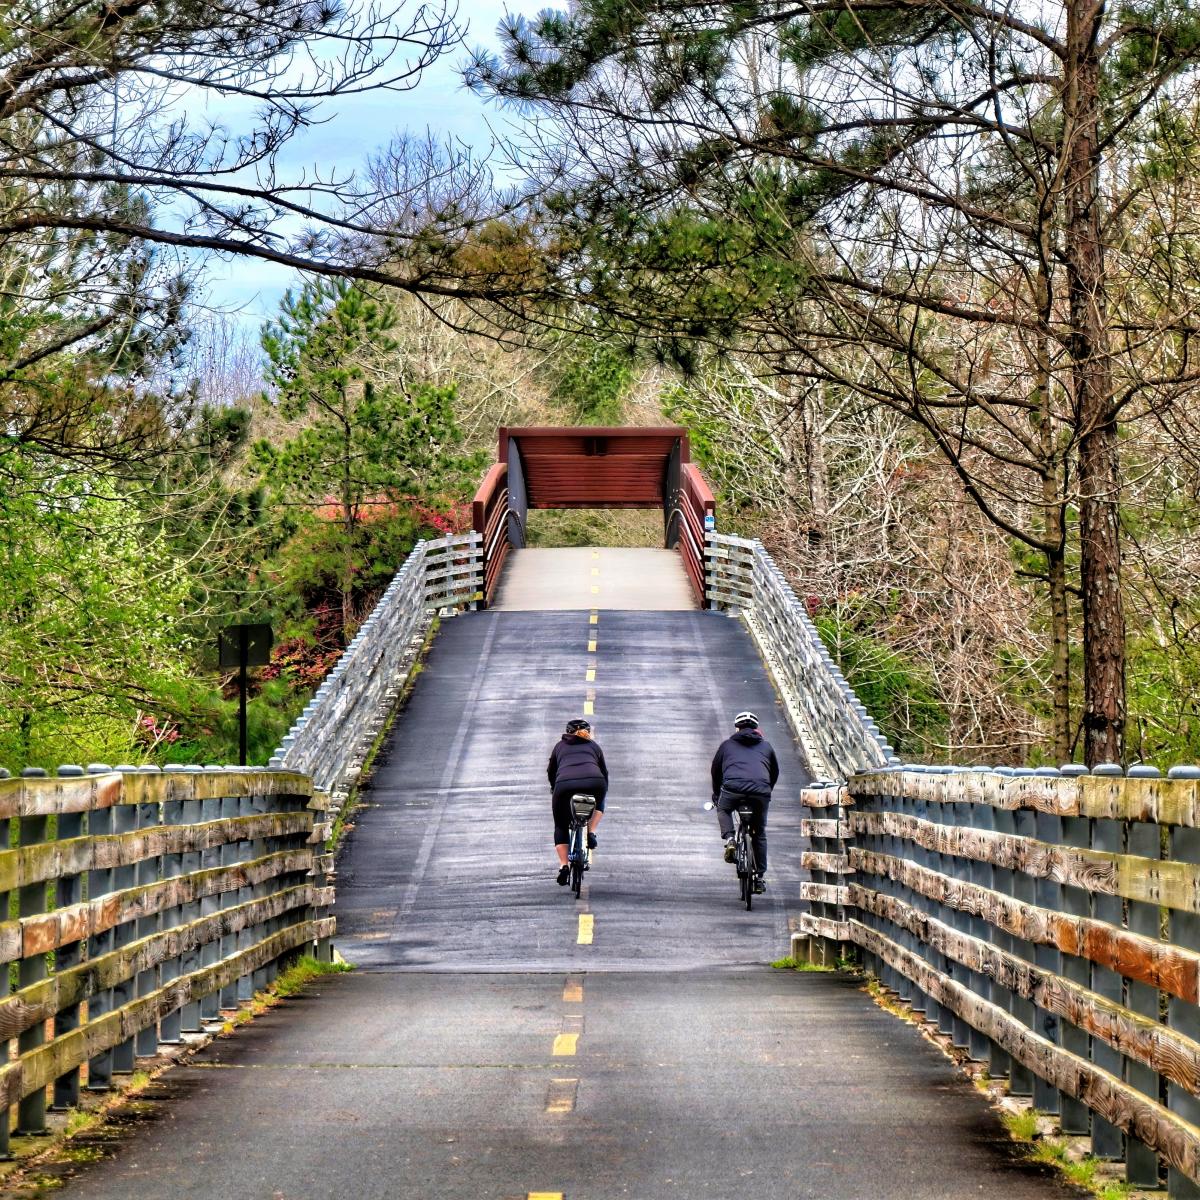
x=166, y=924
x=1141, y=1163
x=1184, y=1101
x=1100, y=795
x=1175, y=1055
x=1156, y=963
x=1175, y=1138
x=45, y=861
x=1171, y=883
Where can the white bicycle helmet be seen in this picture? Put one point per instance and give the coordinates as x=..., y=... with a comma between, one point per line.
x=745, y=718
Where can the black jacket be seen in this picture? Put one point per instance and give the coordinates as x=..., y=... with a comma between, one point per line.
x=575, y=758
x=745, y=763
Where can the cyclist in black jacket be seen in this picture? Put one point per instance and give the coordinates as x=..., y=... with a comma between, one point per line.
x=744, y=770
x=576, y=765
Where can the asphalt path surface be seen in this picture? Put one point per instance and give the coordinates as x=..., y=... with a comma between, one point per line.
x=502, y=1040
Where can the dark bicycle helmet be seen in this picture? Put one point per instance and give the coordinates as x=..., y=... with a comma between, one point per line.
x=745, y=720
x=578, y=724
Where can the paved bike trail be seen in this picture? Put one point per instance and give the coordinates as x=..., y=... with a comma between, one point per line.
x=486, y=1047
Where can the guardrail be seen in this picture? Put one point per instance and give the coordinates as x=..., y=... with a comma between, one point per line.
x=490, y=515
x=690, y=508
x=138, y=904
x=1048, y=921
x=337, y=728
x=837, y=733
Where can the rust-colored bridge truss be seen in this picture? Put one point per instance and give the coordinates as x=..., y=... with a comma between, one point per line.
x=593, y=467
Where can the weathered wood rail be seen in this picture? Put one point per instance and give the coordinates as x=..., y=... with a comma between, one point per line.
x=332, y=736
x=136, y=905
x=837, y=733
x=1047, y=921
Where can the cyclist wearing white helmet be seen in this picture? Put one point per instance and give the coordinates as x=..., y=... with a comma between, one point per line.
x=576, y=765
x=744, y=770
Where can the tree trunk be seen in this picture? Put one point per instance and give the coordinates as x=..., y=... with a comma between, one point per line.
x=1099, y=479
x=1060, y=655
x=1053, y=516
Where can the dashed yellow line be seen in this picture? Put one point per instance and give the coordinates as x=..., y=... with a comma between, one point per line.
x=565, y=1045
x=560, y=1095
x=589, y=709
x=595, y=570
x=573, y=992
x=590, y=677
x=592, y=646
x=594, y=619
x=595, y=590
x=544, y=1196
x=587, y=923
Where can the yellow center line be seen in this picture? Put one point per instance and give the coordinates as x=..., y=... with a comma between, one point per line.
x=564, y=1045
x=586, y=924
x=592, y=646
x=560, y=1095
x=590, y=677
x=594, y=619
x=589, y=709
x=544, y=1196
x=573, y=992
x=595, y=590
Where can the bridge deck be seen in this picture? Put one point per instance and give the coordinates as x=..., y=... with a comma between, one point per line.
x=693, y=1070
x=603, y=577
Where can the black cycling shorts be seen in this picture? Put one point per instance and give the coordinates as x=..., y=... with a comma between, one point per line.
x=560, y=803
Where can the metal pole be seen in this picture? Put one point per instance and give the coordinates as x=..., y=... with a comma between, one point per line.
x=243, y=654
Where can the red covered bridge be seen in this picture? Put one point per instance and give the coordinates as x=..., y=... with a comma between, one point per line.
x=593, y=467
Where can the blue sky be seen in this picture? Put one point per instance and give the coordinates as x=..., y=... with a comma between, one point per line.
x=356, y=127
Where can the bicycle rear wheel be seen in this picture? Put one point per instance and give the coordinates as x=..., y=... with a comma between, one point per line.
x=749, y=867
x=576, y=861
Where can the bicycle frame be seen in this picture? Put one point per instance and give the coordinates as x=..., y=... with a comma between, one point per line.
x=743, y=834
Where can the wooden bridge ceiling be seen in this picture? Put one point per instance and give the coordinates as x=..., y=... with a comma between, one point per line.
x=593, y=466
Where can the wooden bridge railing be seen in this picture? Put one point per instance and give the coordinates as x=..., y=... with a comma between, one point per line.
x=837, y=733
x=331, y=738
x=1048, y=921
x=138, y=903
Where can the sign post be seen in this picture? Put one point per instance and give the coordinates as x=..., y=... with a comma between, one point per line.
x=244, y=646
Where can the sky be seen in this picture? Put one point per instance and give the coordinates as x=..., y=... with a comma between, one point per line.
x=357, y=126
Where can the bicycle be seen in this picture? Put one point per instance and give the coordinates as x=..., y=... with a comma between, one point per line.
x=744, y=860
x=579, y=856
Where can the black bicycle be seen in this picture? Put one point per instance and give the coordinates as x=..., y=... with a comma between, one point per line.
x=578, y=855
x=743, y=844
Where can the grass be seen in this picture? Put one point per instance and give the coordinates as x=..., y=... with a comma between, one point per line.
x=297, y=977
x=790, y=964
x=1024, y=1127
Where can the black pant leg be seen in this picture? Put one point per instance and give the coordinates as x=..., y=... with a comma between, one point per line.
x=761, y=803
x=560, y=806
x=726, y=803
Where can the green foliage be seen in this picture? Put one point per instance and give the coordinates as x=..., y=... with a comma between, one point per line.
x=367, y=442
x=594, y=527
x=90, y=624
x=901, y=698
x=206, y=720
x=298, y=976
x=590, y=378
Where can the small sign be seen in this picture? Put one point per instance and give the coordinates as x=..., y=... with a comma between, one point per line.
x=248, y=645
x=710, y=523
